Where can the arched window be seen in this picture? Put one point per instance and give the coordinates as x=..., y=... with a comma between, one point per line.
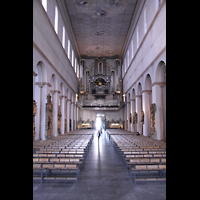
x=137, y=36
x=128, y=58
x=75, y=65
x=44, y=3
x=132, y=48
x=145, y=20
x=56, y=20
x=72, y=58
x=63, y=38
x=68, y=52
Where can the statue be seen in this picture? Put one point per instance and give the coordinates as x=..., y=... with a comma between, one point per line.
x=142, y=117
x=65, y=124
x=135, y=118
x=59, y=120
x=34, y=113
x=49, y=116
x=153, y=111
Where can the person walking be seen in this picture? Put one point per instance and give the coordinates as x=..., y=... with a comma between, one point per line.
x=99, y=134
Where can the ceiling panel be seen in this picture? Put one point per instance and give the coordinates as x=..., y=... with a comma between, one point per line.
x=100, y=26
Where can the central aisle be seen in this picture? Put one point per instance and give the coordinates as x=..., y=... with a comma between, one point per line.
x=104, y=173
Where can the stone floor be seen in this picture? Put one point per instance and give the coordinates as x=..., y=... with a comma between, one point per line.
x=103, y=178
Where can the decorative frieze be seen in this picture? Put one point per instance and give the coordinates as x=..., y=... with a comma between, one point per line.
x=34, y=113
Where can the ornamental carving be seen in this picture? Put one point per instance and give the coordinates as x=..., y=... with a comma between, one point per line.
x=130, y=118
x=135, y=118
x=59, y=120
x=142, y=117
x=34, y=113
x=153, y=111
x=49, y=117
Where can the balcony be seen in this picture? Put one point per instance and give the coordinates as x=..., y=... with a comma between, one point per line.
x=101, y=104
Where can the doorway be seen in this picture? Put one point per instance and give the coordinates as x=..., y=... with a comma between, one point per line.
x=100, y=121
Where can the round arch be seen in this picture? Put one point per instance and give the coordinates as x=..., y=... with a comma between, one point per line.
x=41, y=71
x=139, y=89
x=148, y=82
x=53, y=82
x=133, y=93
x=161, y=72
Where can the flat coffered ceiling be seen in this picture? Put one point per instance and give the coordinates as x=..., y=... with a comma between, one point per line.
x=100, y=26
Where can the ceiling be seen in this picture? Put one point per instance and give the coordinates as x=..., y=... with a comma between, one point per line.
x=100, y=26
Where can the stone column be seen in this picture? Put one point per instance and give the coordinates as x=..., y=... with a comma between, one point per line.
x=146, y=98
x=34, y=75
x=55, y=97
x=68, y=113
x=138, y=111
x=42, y=99
x=72, y=115
x=162, y=112
x=128, y=115
x=157, y=98
x=43, y=108
x=132, y=113
x=38, y=118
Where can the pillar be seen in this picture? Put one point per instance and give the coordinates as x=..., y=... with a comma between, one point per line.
x=55, y=97
x=157, y=98
x=132, y=113
x=68, y=113
x=138, y=99
x=43, y=108
x=146, y=98
x=128, y=115
x=72, y=115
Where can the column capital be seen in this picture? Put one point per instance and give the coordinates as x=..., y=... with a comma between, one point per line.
x=159, y=83
x=34, y=73
x=40, y=84
x=149, y=91
x=54, y=91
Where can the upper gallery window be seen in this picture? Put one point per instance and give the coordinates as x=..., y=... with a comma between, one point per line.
x=137, y=36
x=145, y=20
x=56, y=20
x=44, y=3
x=63, y=38
x=68, y=52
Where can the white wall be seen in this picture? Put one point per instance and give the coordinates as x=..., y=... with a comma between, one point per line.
x=153, y=42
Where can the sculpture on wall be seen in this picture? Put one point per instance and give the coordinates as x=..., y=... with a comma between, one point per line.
x=153, y=111
x=130, y=118
x=65, y=125
x=142, y=117
x=59, y=120
x=135, y=118
x=34, y=113
x=49, y=116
